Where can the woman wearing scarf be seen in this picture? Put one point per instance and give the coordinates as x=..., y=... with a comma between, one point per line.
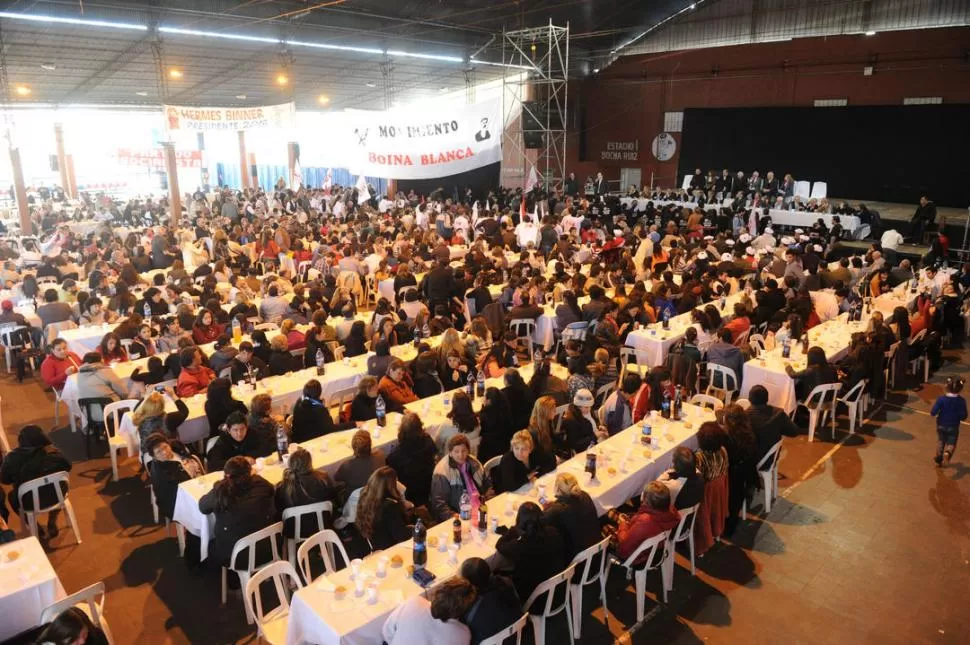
x=456, y=473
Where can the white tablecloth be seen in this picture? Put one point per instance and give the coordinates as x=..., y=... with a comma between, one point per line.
x=805, y=219
x=833, y=336
x=328, y=453
x=85, y=339
x=546, y=325
x=653, y=342
x=29, y=585
x=84, y=227
x=317, y=617
x=640, y=204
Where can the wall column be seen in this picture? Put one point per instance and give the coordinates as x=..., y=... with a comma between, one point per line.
x=292, y=150
x=71, y=188
x=20, y=191
x=244, y=171
x=253, y=173
x=200, y=138
x=62, y=159
x=174, y=196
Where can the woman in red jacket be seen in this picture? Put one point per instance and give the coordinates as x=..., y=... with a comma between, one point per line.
x=59, y=364
x=655, y=516
x=397, y=387
x=194, y=377
x=206, y=329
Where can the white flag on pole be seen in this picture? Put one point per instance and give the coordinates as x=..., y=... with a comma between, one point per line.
x=362, y=193
x=328, y=181
x=532, y=181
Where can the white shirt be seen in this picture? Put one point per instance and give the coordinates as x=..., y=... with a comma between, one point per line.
x=891, y=239
x=384, y=205
x=411, y=623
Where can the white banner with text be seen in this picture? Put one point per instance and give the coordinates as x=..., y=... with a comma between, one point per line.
x=205, y=119
x=423, y=143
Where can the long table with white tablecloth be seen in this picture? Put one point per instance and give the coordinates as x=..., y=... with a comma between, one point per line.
x=653, y=342
x=328, y=453
x=805, y=219
x=624, y=466
x=28, y=584
x=834, y=337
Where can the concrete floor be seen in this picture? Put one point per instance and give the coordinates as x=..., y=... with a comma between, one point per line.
x=868, y=543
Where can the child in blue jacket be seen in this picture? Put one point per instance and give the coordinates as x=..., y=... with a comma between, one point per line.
x=949, y=410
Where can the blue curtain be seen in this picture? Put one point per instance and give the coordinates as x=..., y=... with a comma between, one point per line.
x=228, y=175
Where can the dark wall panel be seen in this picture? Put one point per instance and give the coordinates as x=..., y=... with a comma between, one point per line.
x=480, y=180
x=887, y=153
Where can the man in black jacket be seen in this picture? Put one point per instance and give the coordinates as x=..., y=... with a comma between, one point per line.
x=924, y=216
x=246, y=361
x=34, y=456
x=239, y=441
x=768, y=422
x=439, y=285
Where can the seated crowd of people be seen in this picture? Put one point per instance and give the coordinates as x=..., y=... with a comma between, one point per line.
x=629, y=270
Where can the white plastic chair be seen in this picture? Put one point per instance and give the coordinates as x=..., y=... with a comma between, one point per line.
x=853, y=400
x=273, y=533
x=683, y=533
x=530, y=330
x=769, y=477
x=6, y=333
x=491, y=465
x=592, y=565
x=707, y=401
x=32, y=489
x=115, y=411
x=757, y=343
x=559, y=414
x=271, y=626
x=297, y=514
x=628, y=362
x=552, y=605
x=729, y=381
x=327, y=541
x=820, y=402
x=803, y=189
x=603, y=393
x=515, y=629
x=820, y=190
x=90, y=600
x=649, y=549
x=58, y=399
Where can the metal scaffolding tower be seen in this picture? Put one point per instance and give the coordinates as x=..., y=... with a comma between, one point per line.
x=536, y=64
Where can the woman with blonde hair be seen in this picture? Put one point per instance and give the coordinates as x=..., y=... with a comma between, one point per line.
x=450, y=341
x=602, y=369
x=517, y=467
x=542, y=426
x=150, y=415
x=382, y=515
x=574, y=515
x=478, y=339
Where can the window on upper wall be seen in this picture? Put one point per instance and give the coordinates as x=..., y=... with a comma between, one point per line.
x=922, y=100
x=673, y=121
x=831, y=102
